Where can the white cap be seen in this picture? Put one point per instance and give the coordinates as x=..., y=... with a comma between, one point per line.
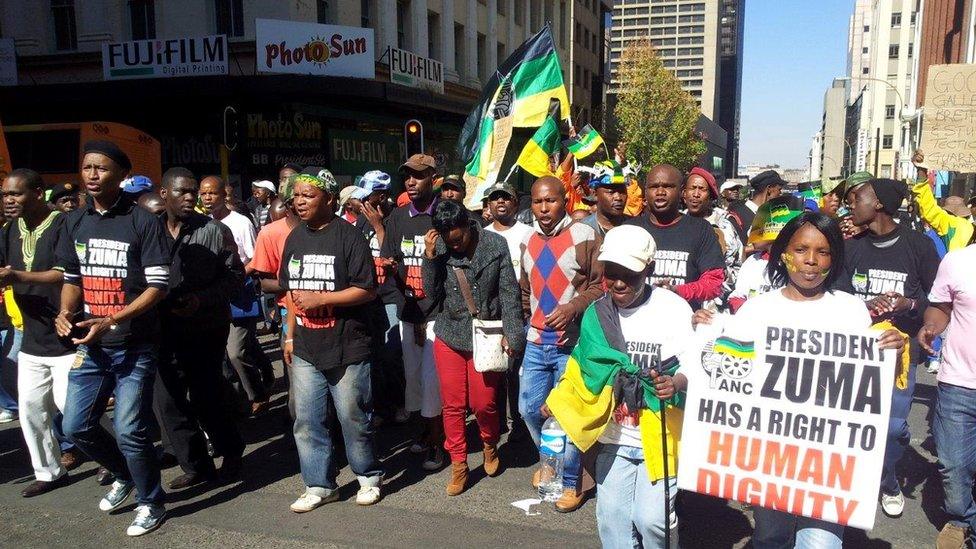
x=730, y=184
x=351, y=191
x=629, y=246
x=265, y=184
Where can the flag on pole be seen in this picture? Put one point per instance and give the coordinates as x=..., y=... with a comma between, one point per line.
x=586, y=142
x=544, y=143
x=517, y=96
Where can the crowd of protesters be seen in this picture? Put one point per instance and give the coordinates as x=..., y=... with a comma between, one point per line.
x=148, y=298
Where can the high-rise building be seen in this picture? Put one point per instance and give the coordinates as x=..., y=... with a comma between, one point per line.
x=859, y=44
x=701, y=42
x=730, y=79
x=833, y=143
x=685, y=35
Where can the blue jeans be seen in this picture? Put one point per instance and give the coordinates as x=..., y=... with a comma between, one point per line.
x=542, y=366
x=629, y=507
x=775, y=529
x=954, y=430
x=10, y=339
x=130, y=374
x=349, y=389
x=898, y=435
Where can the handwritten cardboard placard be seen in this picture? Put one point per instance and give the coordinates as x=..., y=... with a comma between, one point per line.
x=949, y=122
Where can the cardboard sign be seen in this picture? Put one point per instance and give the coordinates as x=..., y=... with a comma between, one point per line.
x=294, y=47
x=193, y=56
x=795, y=420
x=949, y=124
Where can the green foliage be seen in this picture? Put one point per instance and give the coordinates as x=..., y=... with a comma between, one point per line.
x=654, y=116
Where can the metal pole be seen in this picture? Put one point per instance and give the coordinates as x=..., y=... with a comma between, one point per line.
x=877, y=150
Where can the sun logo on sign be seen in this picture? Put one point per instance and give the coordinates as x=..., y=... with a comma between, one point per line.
x=317, y=51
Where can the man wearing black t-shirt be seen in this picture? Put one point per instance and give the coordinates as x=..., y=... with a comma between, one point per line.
x=892, y=268
x=116, y=270
x=195, y=316
x=27, y=245
x=688, y=259
x=404, y=244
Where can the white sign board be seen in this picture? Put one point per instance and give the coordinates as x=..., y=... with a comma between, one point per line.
x=795, y=420
x=292, y=47
x=175, y=57
x=8, y=62
x=412, y=70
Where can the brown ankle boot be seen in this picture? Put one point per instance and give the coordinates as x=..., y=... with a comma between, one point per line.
x=491, y=460
x=459, y=478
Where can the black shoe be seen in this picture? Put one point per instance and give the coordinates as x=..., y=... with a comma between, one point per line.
x=230, y=469
x=105, y=477
x=167, y=460
x=190, y=479
x=39, y=487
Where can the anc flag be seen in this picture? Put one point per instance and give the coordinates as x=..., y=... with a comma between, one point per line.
x=734, y=347
x=811, y=190
x=773, y=215
x=583, y=400
x=586, y=142
x=516, y=96
x=544, y=143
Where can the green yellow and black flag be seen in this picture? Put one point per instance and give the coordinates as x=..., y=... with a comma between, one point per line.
x=535, y=156
x=586, y=142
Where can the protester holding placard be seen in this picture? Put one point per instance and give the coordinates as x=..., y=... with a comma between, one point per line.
x=892, y=268
x=632, y=342
x=806, y=258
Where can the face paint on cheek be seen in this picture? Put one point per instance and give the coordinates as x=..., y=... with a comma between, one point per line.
x=788, y=263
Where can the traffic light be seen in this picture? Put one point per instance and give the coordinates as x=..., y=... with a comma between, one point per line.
x=231, y=128
x=413, y=137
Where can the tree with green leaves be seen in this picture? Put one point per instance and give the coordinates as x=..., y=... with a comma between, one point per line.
x=654, y=115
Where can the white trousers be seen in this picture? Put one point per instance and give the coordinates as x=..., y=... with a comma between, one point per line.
x=42, y=384
x=422, y=391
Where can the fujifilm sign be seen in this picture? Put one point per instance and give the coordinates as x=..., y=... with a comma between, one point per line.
x=197, y=56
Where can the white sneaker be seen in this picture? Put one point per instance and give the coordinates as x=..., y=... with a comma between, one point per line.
x=116, y=496
x=6, y=416
x=368, y=495
x=308, y=502
x=933, y=367
x=148, y=518
x=893, y=505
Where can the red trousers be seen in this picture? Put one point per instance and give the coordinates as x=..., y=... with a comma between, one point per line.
x=463, y=387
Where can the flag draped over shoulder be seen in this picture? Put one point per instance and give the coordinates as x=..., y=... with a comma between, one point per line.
x=516, y=96
x=583, y=401
x=586, y=142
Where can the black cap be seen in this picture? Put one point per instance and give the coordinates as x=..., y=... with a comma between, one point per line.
x=768, y=178
x=110, y=150
x=501, y=187
x=62, y=189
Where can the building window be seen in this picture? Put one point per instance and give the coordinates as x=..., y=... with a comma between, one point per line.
x=459, y=49
x=563, y=15
x=65, y=29
x=886, y=170
x=322, y=14
x=142, y=18
x=518, y=14
x=586, y=79
x=230, y=17
x=893, y=51
x=499, y=52
x=577, y=74
x=864, y=49
x=887, y=141
x=866, y=70
x=482, y=58
x=911, y=50
x=914, y=14
x=895, y=20
x=364, y=14
x=867, y=28
x=401, y=24
x=889, y=111
x=500, y=7
x=433, y=35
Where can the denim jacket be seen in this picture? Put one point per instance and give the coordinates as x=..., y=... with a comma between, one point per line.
x=492, y=280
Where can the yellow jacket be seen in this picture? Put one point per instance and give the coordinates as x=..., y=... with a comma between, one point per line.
x=955, y=231
x=13, y=311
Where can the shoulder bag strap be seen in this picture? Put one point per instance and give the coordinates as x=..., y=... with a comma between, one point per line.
x=466, y=291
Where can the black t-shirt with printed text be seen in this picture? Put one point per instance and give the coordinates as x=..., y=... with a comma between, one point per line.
x=330, y=259
x=404, y=243
x=685, y=249
x=106, y=254
x=34, y=251
x=385, y=289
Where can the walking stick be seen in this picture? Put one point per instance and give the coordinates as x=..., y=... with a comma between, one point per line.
x=662, y=370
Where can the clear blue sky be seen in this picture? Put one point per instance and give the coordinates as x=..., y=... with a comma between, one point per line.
x=793, y=50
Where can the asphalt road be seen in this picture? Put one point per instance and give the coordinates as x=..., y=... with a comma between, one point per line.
x=414, y=511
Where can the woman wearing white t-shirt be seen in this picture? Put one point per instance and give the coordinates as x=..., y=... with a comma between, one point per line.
x=805, y=259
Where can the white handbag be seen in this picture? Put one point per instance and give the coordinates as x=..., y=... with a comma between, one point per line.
x=486, y=335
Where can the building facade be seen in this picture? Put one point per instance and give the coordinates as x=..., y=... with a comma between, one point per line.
x=732, y=26
x=60, y=74
x=833, y=141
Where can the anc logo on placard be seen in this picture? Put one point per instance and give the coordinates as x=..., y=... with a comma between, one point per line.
x=82, y=250
x=728, y=358
x=294, y=267
x=860, y=282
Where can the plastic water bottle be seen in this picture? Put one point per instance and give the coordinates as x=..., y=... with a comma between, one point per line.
x=552, y=454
